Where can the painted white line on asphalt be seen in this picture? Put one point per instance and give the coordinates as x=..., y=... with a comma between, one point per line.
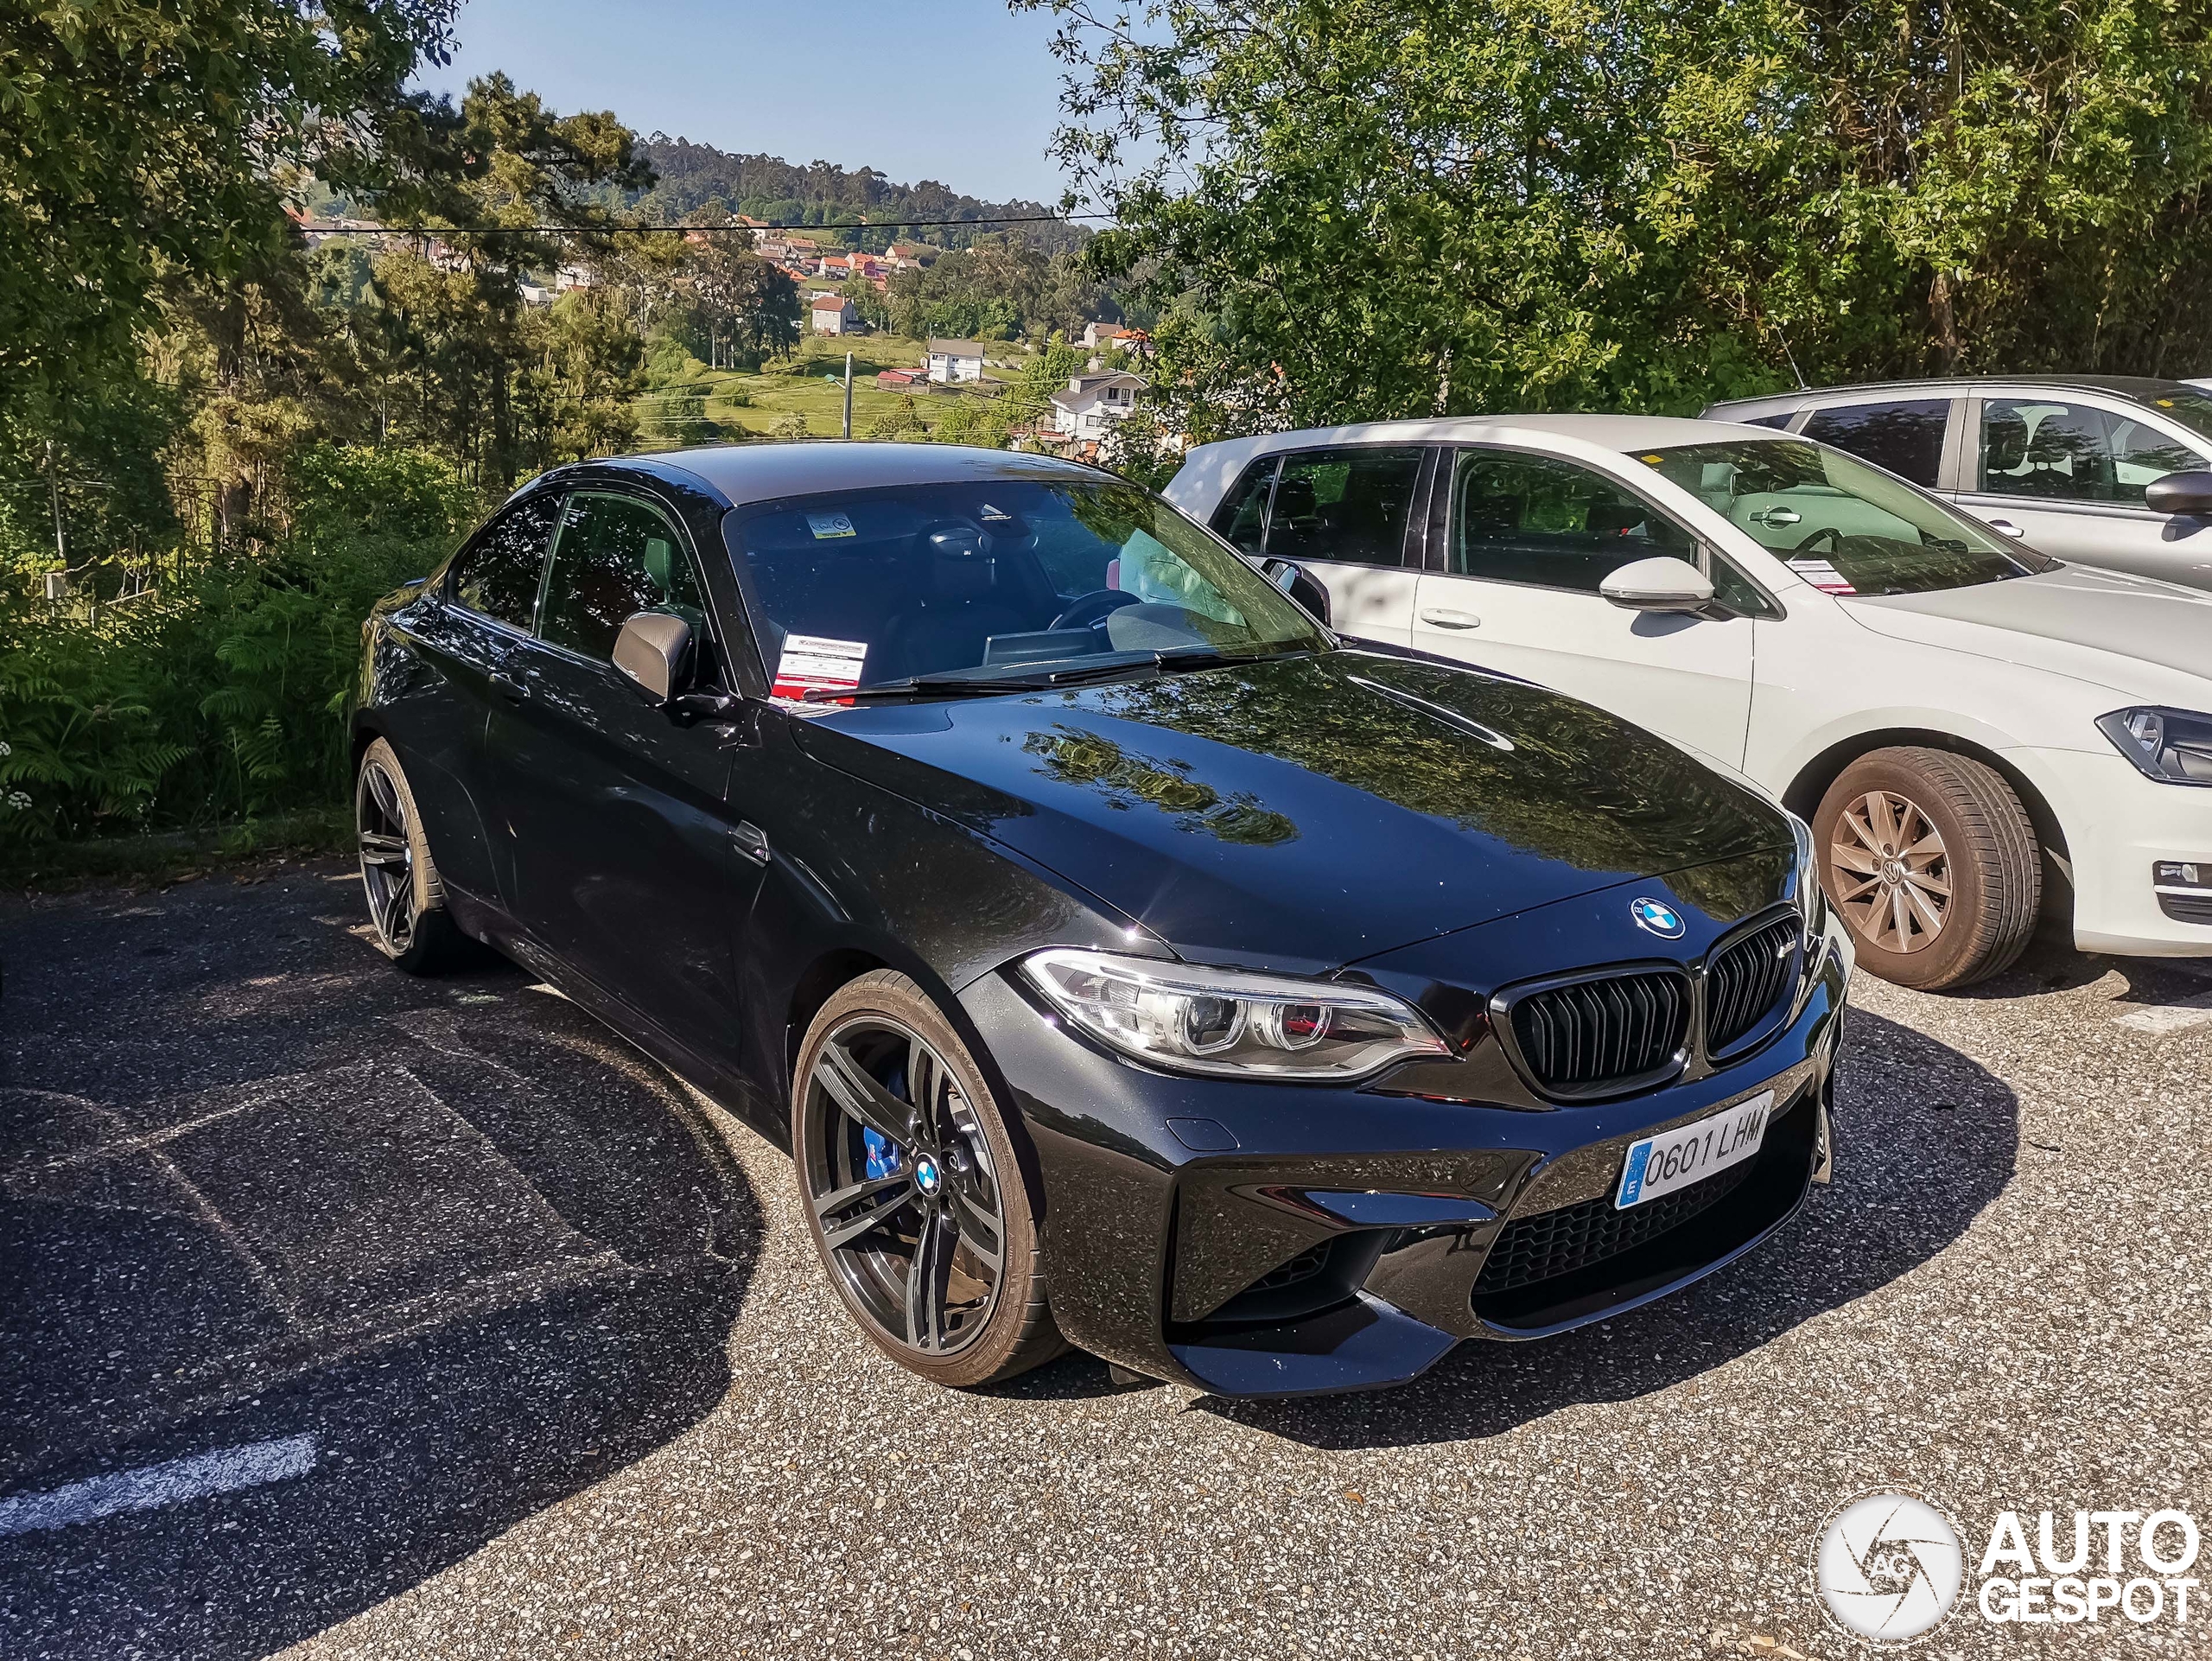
x=151, y=1486
x=2160, y=1019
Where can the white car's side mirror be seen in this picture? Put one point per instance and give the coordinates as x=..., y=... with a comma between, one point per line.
x=1660, y=583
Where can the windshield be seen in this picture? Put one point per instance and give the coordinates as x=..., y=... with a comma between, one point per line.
x=1012, y=580
x=2192, y=409
x=1840, y=525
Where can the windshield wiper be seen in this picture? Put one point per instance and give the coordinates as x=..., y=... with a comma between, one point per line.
x=1167, y=658
x=1213, y=656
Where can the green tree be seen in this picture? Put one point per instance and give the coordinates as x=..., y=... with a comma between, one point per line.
x=1349, y=208
x=748, y=309
x=502, y=161
x=142, y=144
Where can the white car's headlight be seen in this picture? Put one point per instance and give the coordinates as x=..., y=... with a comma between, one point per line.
x=1225, y=1021
x=2172, y=746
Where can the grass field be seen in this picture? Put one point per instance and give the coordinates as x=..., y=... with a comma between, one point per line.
x=819, y=402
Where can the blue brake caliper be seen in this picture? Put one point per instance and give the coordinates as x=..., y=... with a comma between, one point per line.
x=883, y=1156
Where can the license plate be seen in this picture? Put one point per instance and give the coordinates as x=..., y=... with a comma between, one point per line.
x=1674, y=1159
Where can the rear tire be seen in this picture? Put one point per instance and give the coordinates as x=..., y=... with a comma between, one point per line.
x=1933, y=865
x=912, y=1186
x=407, y=903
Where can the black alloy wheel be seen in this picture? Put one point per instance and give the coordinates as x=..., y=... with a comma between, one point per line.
x=914, y=1193
x=406, y=901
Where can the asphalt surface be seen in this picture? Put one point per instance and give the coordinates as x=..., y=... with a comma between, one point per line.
x=528, y=1354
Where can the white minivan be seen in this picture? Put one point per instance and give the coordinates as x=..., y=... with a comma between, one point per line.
x=1977, y=733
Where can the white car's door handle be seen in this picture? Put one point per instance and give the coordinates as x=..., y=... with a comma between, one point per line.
x=1444, y=617
x=2004, y=527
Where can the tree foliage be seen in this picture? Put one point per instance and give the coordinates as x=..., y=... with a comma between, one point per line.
x=1348, y=208
x=1000, y=289
x=141, y=141
x=692, y=176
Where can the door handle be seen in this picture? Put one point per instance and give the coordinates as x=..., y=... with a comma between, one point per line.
x=750, y=840
x=1776, y=516
x=511, y=682
x=2004, y=527
x=1446, y=617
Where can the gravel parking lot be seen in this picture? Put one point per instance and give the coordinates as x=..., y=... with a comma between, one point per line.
x=524, y=1352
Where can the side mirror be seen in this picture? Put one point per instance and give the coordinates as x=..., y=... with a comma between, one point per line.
x=654, y=649
x=1298, y=584
x=2181, y=494
x=1660, y=583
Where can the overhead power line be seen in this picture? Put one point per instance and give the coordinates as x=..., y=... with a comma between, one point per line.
x=572, y=230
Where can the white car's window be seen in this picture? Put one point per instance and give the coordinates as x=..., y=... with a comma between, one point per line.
x=1555, y=523
x=1348, y=504
x=1904, y=436
x=1241, y=519
x=1838, y=523
x=2071, y=452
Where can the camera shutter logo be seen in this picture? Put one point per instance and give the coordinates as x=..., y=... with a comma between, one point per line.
x=1889, y=1567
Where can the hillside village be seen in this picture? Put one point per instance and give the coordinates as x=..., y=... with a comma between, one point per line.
x=1102, y=391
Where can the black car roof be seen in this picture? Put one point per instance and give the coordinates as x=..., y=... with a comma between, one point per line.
x=2140, y=387
x=755, y=473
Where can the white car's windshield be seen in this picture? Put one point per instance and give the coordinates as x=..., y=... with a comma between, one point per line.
x=1843, y=526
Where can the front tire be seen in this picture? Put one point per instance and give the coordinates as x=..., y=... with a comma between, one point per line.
x=407, y=903
x=913, y=1191
x=1933, y=865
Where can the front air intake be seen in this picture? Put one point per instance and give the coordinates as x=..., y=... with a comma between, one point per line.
x=1604, y=1036
x=1746, y=984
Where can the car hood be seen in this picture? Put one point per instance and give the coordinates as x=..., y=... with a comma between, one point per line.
x=1302, y=813
x=2079, y=620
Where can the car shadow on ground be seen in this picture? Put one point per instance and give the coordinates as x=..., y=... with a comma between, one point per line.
x=1913, y=1170
x=445, y=1243
x=2051, y=964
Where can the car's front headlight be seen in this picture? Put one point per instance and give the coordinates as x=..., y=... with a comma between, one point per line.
x=2172, y=746
x=1224, y=1022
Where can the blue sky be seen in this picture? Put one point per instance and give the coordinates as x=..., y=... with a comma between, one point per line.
x=958, y=91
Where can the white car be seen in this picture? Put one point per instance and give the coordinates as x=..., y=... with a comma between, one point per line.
x=1978, y=734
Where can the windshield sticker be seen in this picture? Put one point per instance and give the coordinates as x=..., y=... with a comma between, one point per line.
x=813, y=664
x=826, y=525
x=1822, y=574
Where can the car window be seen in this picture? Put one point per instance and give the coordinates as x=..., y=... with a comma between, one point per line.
x=2044, y=448
x=1778, y=422
x=1345, y=504
x=497, y=574
x=1536, y=518
x=1737, y=591
x=615, y=556
x=1241, y=519
x=1011, y=575
x=1836, y=522
x=1907, y=438
x=2192, y=409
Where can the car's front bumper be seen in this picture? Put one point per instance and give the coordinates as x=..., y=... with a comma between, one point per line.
x=1171, y=1203
x=2118, y=825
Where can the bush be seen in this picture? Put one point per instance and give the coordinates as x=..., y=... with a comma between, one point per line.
x=221, y=698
